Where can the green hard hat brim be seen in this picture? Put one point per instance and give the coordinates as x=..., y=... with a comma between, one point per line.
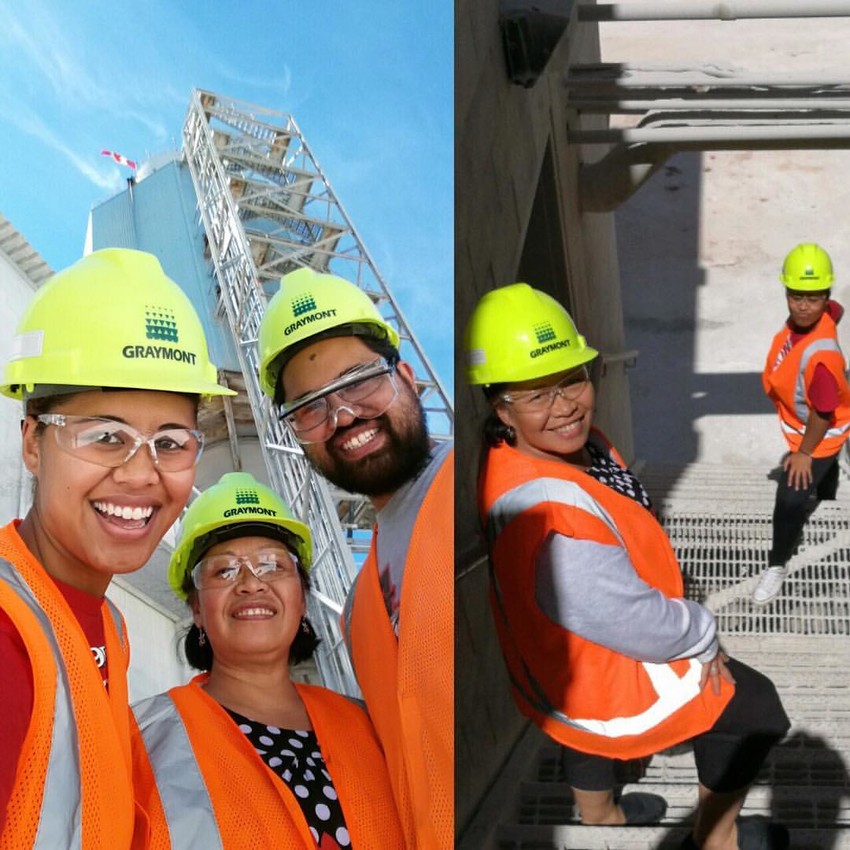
x=798, y=285
x=30, y=390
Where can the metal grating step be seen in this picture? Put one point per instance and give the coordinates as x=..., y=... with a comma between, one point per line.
x=512, y=837
x=722, y=554
x=806, y=783
x=719, y=522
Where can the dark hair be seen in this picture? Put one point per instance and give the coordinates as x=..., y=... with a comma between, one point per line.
x=36, y=406
x=496, y=431
x=200, y=656
x=381, y=346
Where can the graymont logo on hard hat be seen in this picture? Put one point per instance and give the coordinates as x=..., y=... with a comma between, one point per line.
x=308, y=319
x=251, y=510
x=160, y=324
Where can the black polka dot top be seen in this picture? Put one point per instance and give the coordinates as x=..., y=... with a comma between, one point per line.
x=607, y=471
x=294, y=755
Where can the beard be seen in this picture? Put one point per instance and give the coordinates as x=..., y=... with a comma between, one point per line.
x=381, y=473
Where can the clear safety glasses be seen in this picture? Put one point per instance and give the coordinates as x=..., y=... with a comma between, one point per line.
x=365, y=392
x=225, y=570
x=107, y=442
x=541, y=399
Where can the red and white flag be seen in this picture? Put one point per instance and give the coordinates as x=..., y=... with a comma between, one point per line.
x=121, y=160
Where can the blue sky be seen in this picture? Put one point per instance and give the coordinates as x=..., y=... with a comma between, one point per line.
x=370, y=84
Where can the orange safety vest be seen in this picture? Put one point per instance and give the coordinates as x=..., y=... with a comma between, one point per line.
x=583, y=695
x=408, y=683
x=73, y=787
x=786, y=383
x=204, y=785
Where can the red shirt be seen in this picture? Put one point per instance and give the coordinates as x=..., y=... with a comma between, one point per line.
x=823, y=391
x=16, y=704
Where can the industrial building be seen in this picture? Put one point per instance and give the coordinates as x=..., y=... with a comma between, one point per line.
x=239, y=204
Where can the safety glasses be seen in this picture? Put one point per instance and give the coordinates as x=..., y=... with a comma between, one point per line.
x=542, y=398
x=365, y=392
x=225, y=570
x=109, y=443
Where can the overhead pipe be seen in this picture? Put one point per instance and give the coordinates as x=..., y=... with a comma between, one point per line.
x=612, y=180
x=693, y=10
x=621, y=75
x=683, y=134
x=602, y=106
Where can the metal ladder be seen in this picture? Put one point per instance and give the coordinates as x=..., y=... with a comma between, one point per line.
x=267, y=209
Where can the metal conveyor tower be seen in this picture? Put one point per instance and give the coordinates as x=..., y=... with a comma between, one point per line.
x=267, y=208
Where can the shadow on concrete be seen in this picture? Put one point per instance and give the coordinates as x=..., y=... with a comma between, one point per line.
x=658, y=249
x=658, y=237
x=821, y=788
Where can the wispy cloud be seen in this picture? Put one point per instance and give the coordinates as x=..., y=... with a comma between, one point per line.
x=44, y=46
x=281, y=84
x=108, y=179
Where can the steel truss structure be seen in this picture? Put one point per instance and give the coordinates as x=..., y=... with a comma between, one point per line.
x=267, y=209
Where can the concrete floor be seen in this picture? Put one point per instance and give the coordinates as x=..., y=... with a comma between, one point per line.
x=702, y=243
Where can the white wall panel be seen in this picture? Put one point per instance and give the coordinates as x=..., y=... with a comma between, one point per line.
x=154, y=635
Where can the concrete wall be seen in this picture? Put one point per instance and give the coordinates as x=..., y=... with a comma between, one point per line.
x=517, y=216
x=154, y=633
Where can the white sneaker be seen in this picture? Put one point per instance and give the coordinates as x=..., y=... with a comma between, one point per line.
x=769, y=584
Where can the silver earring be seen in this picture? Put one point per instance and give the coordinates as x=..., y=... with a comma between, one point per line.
x=304, y=626
x=202, y=637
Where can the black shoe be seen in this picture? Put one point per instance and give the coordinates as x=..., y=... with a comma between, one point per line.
x=642, y=809
x=762, y=835
x=753, y=835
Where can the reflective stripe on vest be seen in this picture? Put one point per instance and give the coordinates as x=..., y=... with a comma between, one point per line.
x=800, y=407
x=511, y=504
x=61, y=807
x=181, y=785
x=787, y=428
x=60, y=822
x=673, y=691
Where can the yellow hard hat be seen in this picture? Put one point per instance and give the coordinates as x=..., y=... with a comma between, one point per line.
x=310, y=303
x=517, y=333
x=112, y=319
x=807, y=268
x=237, y=503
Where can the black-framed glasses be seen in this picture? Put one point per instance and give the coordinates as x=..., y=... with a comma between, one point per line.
x=225, y=570
x=365, y=392
x=541, y=399
x=107, y=442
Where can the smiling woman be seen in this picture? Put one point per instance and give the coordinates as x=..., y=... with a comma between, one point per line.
x=242, y=757
x=605, y=653
x=112, y=446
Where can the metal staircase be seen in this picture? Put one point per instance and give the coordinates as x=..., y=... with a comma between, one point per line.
x=267, y=208
x=719, y=521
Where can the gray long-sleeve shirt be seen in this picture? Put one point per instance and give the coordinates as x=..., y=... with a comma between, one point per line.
x=592, y=590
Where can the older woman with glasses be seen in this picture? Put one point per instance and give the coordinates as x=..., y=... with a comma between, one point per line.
x=242, y=757
x=110, y=362
x=604, y=652
x=804, y=376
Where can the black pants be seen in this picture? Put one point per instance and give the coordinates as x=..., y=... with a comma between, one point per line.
x=728, y=756
x=789, y=512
